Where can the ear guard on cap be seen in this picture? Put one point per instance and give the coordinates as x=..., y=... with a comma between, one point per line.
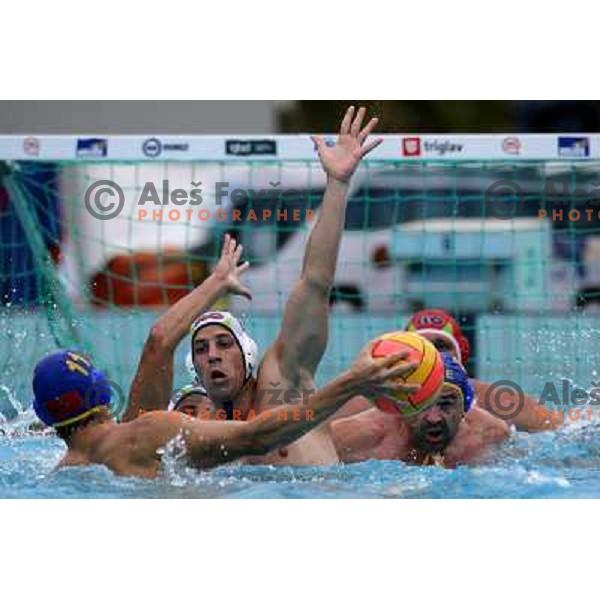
x=455, y=375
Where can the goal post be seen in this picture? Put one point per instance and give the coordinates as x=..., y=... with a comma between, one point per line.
x=99, y=234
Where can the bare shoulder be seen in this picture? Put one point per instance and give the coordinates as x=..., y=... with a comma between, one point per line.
x=140, y=438
x=487, y=426
x=358, y=437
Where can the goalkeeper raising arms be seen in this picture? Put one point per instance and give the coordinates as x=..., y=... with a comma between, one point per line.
x=224, y=356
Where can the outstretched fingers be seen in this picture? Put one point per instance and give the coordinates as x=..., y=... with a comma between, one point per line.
x=357, y=123
x=226, y=244
x=347, y=121
x=237, y=254
x=370, y=146
x=318, y=141
x=242, y=268
x=368, y=130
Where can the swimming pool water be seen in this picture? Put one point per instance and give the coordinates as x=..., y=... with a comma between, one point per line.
x=563, y=464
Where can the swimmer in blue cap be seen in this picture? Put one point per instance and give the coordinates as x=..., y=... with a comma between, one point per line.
x=450, y=432
x=74, y=398
x=68, y=391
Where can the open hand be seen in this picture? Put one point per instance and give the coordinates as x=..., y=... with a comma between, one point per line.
x=340, y=161
x=228, y=269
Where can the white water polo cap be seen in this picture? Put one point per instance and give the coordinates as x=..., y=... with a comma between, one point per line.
x=184, y=392
x=248, y=346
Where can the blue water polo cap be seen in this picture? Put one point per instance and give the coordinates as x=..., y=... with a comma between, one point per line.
x=455, y=375
x=67, y=388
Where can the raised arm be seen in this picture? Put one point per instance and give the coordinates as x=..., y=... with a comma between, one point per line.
x=303, y=336
x=153, y=381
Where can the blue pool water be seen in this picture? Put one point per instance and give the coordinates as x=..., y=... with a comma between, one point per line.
x=564, y=464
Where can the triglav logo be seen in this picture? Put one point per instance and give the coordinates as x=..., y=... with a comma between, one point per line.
x=411, y=146
x=442, y=147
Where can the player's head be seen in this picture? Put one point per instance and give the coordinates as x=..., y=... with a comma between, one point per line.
x=68, y=392
x=440, y=328
x=190, y=399
x=223, y=354
x=433, y=429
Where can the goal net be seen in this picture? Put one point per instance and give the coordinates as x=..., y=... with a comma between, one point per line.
x=99, y=235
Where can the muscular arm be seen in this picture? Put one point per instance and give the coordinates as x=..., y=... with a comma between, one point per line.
x=303, y=336
x=209, y=443
x=153, y=381
x=228, y=440
x=304, y=329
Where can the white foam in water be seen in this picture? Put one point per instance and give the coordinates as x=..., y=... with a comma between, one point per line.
x=10, y=407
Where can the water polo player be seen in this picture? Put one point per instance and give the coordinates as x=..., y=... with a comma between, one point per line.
x=443, y=331
x=191, y=400
x=225, y=364
x=74, y=398
x=451, y=431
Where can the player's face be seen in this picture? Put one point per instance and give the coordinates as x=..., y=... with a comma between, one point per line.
x=436, y=427
x=218, y=360
x=194, y=405
x=441, y=343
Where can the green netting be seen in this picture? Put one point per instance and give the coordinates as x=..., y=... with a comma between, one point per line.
x=418, y=234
